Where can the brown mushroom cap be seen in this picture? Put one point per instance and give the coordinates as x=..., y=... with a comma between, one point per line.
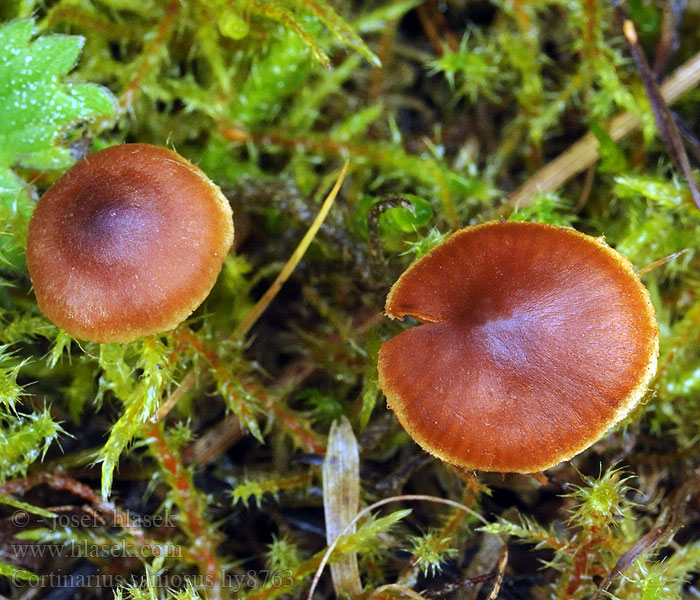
x=535, y=340
x=127, y=243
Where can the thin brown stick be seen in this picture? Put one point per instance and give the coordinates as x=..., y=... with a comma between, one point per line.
x=665, y=123
x=586, y=191
x=671, y=519
x=584, y=153
x=185, y=385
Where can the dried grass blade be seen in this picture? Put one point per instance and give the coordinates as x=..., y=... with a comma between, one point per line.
x=401, y=592
x=583, y=153
x=409, y=497
x=259, y=308
x=662, y=261
x=341, y=502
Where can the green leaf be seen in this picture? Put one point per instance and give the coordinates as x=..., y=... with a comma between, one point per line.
x=242, y=403
x=14, y=35
x=394, y=220
x=16, y=207
x=38, y=108
x=47, y=159
x=11, y=187
x=49, y=57
x=38, y=112
x=92, y=99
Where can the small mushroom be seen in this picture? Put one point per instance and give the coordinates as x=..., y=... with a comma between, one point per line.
x=127, y=243
x=534, y=341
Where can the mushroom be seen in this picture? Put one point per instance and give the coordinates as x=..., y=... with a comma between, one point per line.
x=127, y=243
x=535, y=340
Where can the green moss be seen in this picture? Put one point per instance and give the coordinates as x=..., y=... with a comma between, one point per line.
x=270, y=99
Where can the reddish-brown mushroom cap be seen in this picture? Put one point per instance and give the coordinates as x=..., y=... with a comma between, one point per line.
x=535, y=340
x=127, y=243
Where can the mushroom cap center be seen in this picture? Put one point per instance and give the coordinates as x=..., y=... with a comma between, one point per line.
x=113, y=231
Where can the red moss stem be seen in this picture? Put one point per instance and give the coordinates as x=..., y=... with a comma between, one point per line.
x=151, y=51
x=192, y=507
x=300, y=430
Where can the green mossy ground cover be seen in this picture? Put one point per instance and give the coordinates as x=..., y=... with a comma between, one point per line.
x=442, y=110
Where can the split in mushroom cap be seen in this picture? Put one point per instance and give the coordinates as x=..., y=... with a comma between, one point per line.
x=127, y=243
x=535, y=340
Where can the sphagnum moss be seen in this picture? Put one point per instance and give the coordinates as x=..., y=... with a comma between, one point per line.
x=269, y=99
